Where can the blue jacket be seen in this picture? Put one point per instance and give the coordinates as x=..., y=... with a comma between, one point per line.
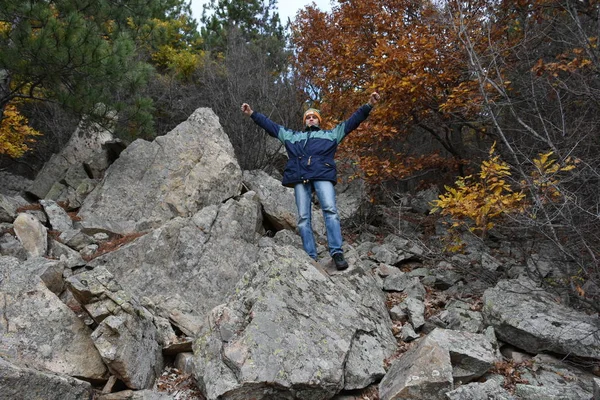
x=311, y=151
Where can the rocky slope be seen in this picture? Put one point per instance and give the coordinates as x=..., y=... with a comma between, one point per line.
x=170, y=273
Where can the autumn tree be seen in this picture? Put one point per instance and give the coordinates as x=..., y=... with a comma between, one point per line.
x=402, y=49
x=538, y=81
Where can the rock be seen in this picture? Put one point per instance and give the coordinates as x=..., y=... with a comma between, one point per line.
x=292, y=331
x=408, y=334
x=527, y=317
x=596, y=388
x=415, y=309
x=136, y=395
x=197, y=261
x=542, y=266
x=423, y=372
x=12, y=185
x=75, y=239
x=9, y=206
x=555, y=377
x=350, y=197
x=10, y=246
x=397, y=282
x=401, y=282
x=279, y=205
x=429, y=369
x=399, y=313
x=39, y=330
x=59, y=219
x=446, y=278
x=53, y=170
x=530, y=392
x=17, y=383
x=32, y=235
x=87, y=141
x=63, y=252
x=185, y=362
x=472, y=354
x=176, y=175
x=421, y=201
x=126, y=337
x=387, y=254
x=490, y=390
x=458, y=316
x=510, y=353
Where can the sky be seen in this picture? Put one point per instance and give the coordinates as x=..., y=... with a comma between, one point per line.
x=287, y=8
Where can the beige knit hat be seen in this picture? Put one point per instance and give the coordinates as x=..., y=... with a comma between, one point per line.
x=312, y=111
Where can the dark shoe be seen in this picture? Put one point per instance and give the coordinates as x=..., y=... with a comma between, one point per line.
x=340, y=263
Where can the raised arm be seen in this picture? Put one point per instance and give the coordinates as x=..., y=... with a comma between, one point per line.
x=359, y=116
x=261, y=120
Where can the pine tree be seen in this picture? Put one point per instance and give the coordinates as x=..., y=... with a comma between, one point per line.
x=78, y=53
x=255, y=21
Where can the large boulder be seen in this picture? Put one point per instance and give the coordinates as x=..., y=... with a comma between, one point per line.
x=189, y=265
x=9, y=206
x=126, y=336
x=278, y=202
x=423, y=372
x=12, y=185
x=529, y=318
x=291, y=331
x=39, y=330
x=436, y=363
x=86, y=143
x=18, y=383
x=191, y=167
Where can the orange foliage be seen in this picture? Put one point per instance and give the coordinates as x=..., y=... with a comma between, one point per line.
x=400, y=48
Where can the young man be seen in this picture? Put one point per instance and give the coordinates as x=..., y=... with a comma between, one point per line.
x=311, y=167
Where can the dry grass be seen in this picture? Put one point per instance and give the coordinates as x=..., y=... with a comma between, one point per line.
x=114, y=244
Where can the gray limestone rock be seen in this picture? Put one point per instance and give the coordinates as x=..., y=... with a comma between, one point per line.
x=63, y=252
x=137, y=395
x=489, y=390
x=408, y=333
x=32, y=235
x=18, y=383
x=279, y=206
x=59, y=219
x=39, y=330
x=176, y=175
x=11, y=246
x=472, y=354
x=527, y=317
x=190, y=262
x=126, y=336
x=415, y=309
x=86, y=142
x=291, y=331
x=185, y=362
x=423, y=372
x=531, y=392
x=459, y=316
x=556, y=376
x=75, y=239
x=9, y=206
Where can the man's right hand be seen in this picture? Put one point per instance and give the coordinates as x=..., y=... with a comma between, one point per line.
x=246, y=109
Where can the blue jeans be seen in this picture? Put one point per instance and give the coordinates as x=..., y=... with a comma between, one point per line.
x=326, y=195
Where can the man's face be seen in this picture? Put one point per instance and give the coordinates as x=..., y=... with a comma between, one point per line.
x=312, y=120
